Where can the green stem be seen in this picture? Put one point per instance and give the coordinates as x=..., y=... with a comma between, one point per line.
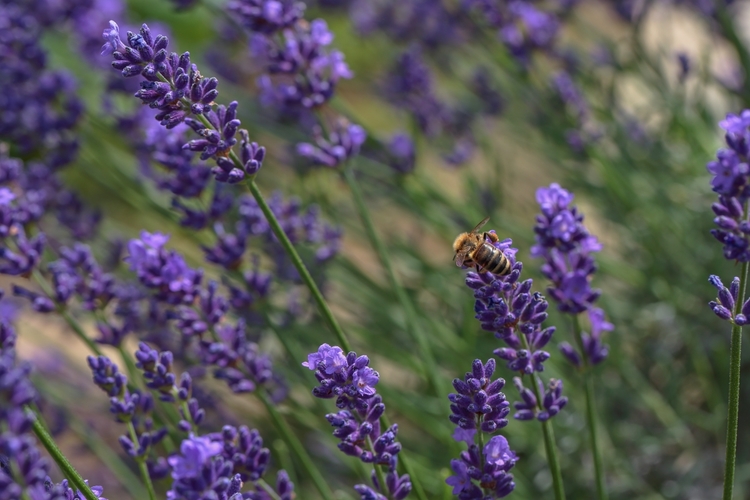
x=67, y=469
x=549, y=444
x=325, y=311
x=142, y=468
x=268, y=489
x=733, y=407
x=601, y=484
x=403, y=298
x=295, y=444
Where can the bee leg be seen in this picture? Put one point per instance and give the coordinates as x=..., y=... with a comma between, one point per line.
x=492, y=237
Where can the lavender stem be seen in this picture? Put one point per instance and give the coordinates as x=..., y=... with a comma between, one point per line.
x=733, y=410
x=601, y=485
x=406, y=304
x=67, y=469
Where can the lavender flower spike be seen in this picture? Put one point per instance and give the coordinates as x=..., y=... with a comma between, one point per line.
x=479, y=406
x=174, y=86
x=567, y=249
x=731, y=181
x=352, y=382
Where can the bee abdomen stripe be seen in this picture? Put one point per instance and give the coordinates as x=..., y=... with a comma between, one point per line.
x=498, y=264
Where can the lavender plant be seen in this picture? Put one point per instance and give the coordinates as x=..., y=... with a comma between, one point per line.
x=729, y=181
x=567, y=249
x=125, y=221
x=508, y=308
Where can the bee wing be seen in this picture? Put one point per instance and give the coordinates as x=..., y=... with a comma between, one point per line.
x=459, y=258
x=484, y=221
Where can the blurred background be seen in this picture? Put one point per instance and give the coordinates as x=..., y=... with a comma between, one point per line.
x=616, y=101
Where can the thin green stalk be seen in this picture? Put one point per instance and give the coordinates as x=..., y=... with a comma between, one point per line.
x=268, y=489
x=549, y=437
x=325, y=311
x=601, y=484
x=294, y=443
x=549, y=444
x=145, y=477
x=406, y=303
x=67, y=469
x=733, y=407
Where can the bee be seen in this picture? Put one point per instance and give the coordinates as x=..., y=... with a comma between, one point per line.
x=474, y=249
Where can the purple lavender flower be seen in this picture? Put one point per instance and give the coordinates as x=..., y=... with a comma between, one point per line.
x=301, y=71
x=725, y=304
x=529, y=407
x=216, y=465
x=133, y=408
x=479, y=406
x=479, y=402
x=174, y=86
x=352, y=382
x=567, y=249
x=267, y=17
x=510, y=310
x=403, y=153
x=489, y=469
x=342, y=144
x=730, y=181
x=163, y=271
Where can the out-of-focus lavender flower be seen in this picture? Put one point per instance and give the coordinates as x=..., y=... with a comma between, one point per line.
x=567, y=249
x=410, y=86
x=301, y=72
x=731, y=177
x=342, y=143
x=403, y=153
x=685, y=66
x=28, y=255
x=491, y=100
x=267, y=16
x=163, y=271
x=132, y=408
x=350, y=380
x=419, y=21
x=301, y=226
x=39, y=105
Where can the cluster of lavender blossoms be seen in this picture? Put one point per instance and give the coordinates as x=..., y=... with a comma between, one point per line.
x=216, y=465
x=349, y=379
x=567, y=249
x=23, y=469
x=481, y=473
x=731, y=181
x=300, y=73
x=509, y=308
